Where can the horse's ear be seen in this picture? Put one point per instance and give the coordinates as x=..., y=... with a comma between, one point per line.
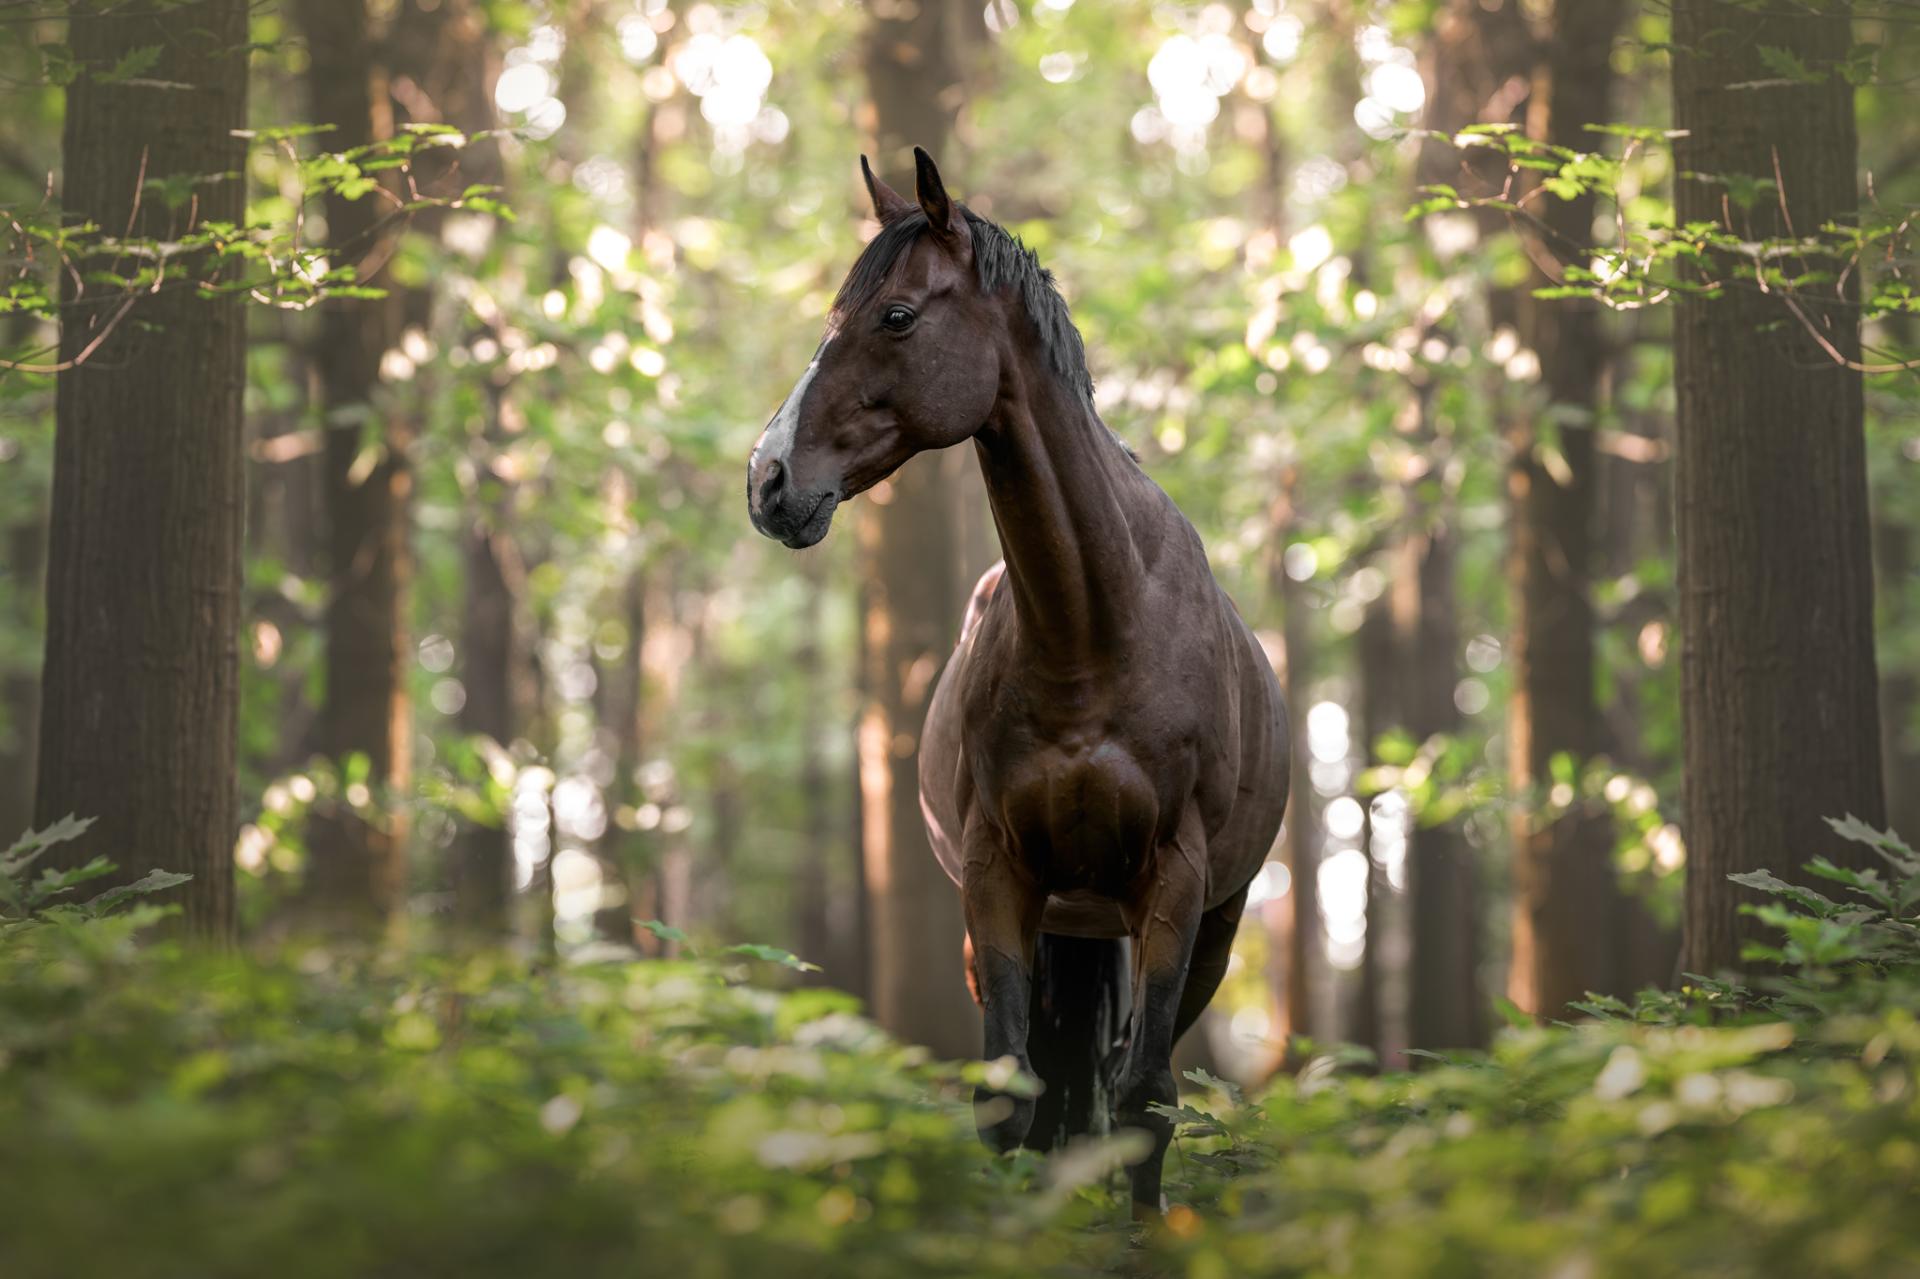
x=943, y=214
x=888, y=204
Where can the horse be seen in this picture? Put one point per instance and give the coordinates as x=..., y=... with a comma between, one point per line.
x=1105, y=762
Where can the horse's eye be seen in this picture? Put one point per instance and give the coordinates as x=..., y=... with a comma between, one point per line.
x=898, y=318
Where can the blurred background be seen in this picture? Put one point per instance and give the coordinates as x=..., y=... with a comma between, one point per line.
x=514, y=661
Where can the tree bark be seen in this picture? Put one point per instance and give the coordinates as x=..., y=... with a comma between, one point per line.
x=358, y=868
x=912, y=601
x=1444, y=1000
x=1379, y=668
x=140, y=688
x=20, y=687
x=1294, y=925
x=23, y=591
x=1781, y=723
x=1567, y=904
x=482, y=870
x=1475, y=72
x=1900, y=689
x=1896, y=559
x=817, y=894
x=617, y=705
x=444, y=65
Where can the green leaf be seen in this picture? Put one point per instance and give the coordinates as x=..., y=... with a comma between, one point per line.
x=55, y=883
x=154, y=881
x=1786, y=64
x=1196, y=1123
x=1767, y=882
x=1225, y=1087
x=32, y=844
x=134, y=62
x=57, y=64
x=1885, y=842
x=771, y=954
x=1513, y=1014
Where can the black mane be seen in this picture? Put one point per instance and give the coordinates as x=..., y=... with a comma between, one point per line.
x=1001, y=261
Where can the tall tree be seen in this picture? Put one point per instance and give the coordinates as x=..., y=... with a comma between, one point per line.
x=444, y=64
x=1566, y=902
x=1896, y=557
x=1295, y=929
x=1900, y=688
x=1475, y=69
x=23, y=559
x=358, y=868
x=1781, y=724
x=912, y=598
x=140, y=691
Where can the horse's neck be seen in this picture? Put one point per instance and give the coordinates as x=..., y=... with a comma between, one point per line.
x=1069, y=505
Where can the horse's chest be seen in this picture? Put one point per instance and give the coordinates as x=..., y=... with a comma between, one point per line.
x=1083, y=811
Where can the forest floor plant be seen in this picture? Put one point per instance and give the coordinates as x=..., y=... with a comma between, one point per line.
x=323, y=1111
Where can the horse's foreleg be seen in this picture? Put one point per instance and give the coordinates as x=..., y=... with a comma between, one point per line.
x=1164, y=925
x=1003, y=908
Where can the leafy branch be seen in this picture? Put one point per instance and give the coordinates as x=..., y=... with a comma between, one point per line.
x=1651, y=259
x=265, y=259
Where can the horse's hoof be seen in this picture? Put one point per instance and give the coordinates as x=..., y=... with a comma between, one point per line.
x=1002, y=1120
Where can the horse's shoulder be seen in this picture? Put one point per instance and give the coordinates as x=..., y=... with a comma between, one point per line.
x=982, y=594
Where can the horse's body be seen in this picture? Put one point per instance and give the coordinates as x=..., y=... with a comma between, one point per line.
x=1082, y=747
x=1106, y=755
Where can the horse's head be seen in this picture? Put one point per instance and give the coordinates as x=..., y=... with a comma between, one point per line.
x=908, y=364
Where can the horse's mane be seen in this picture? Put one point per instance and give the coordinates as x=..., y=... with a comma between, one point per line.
x=1002, y=261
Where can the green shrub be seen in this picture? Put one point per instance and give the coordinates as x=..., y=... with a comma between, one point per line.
x=327, y=1112
x=1720, y=1130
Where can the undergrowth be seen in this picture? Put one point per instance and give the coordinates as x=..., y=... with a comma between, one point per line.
x=321, y=1111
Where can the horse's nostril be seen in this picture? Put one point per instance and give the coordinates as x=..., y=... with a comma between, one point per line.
x=775, y=479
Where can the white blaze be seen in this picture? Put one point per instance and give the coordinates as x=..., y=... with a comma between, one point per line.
x=777, y=440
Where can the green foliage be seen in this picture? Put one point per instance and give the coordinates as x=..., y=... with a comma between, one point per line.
x=324, y=1112
x=267, y=259
x=1719, y=1130
x=588, y=378
x=1650, y=259
x=29, y=902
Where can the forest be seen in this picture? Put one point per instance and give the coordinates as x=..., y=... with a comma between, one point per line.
x=443, y=835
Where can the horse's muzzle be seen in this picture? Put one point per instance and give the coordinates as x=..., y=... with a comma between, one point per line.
x=780, y=511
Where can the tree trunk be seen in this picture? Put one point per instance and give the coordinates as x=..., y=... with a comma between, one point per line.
x=671, y=651
x=140, y=692
x=1898, y=566
x=1294, y=920
x=1567, y=905
x=444, y=66
x=23, y=589
x=1295, y=944
x=20, y=687
x=358, y=869
x=913, y=596
x=817, y=892
x=1444, y=1001
x=617, y=699
x=1475, y=73
x=1379, y=667
x=1900, y=689
x=482, y=871
x=1781, y=722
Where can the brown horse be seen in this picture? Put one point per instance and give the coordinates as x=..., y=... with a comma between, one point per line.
x=1105, y=762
